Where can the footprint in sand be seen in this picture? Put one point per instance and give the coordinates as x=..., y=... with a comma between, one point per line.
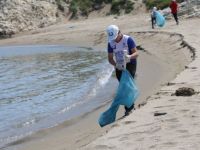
x=165, y=106
x=170, y=144
x=123, y=139
x=128, y=122
x=103, y=147
x=172, y=120
x=184, y=110
x=182, y=131
x=115, y=125
x=172, y=100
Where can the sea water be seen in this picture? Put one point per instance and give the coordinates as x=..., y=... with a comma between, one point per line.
x=44, y=85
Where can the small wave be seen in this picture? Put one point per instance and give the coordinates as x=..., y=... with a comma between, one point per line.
x=102, y=78
x=45, y=90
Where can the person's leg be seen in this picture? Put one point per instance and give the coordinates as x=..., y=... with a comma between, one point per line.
x=132, y=69
x=154, y=19
x=176, y=18
x=118, y=74
x=152, y=22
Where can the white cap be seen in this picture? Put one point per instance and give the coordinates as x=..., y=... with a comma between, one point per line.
x=112, y=32
x=154, y=8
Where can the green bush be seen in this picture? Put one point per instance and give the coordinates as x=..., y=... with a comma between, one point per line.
x=115, y=7
x=160, y=4
x=129, y=7
x=118, y=5
x=73, y=8
x=86, y=6
x=60, y=6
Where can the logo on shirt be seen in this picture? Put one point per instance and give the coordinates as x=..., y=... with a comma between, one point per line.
x=124, y=44
x=110, y=33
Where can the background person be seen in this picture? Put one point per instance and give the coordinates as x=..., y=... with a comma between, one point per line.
x=174, y=9
x=153, y=17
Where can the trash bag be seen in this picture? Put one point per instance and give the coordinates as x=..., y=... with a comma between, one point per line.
x=126, y=95
x=160, y=19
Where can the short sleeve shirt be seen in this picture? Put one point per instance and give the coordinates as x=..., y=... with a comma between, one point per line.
x=126, y=43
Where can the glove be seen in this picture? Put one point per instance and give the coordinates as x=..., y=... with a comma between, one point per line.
x=127, y=58
x=120, y=66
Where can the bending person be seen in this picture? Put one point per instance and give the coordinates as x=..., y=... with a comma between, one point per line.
x=123, y=48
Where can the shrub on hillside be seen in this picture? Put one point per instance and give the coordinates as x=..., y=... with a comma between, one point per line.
x=118, y=5
x=86, y=6
x=160, y=4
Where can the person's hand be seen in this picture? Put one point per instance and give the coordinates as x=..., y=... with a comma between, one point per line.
x=127, y=58
x=120, y=67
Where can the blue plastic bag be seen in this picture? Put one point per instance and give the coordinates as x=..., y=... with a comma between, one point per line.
x=126, y=95
x=160, y=19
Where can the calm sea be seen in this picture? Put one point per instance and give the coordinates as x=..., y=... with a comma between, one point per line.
x=44, y=85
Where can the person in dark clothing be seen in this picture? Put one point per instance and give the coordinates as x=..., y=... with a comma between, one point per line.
x=153, y=17
x=174, y=9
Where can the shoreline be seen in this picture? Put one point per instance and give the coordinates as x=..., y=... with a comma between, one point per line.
x=177, y=125
x=110, y=131
x=73, y=133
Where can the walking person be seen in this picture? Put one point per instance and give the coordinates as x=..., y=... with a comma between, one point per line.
x=121, y=46
x=174, y=9
x=153, y=17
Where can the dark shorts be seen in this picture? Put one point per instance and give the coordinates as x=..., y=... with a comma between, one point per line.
x=130, y=67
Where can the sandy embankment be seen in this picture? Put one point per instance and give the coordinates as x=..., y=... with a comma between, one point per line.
x=141, y=129
x=179, y=126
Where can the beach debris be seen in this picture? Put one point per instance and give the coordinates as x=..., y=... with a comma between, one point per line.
x=142, y=104
x=185, y=91
x=187, y=67
x=170, y=83
x=139, y=47
x=192, y=49
x=159, y=113
x=71, y=27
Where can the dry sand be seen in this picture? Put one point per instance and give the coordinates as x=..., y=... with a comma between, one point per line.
x=177, y=129
x=179, y=126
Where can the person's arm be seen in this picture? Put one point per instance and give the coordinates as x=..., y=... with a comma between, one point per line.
x=132, y=48
x=111, y=60
x=134, y=53
x=110, y=56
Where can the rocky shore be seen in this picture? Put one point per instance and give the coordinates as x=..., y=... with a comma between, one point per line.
x=24, y=15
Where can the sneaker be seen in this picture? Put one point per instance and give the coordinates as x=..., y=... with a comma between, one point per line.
x=128, y=110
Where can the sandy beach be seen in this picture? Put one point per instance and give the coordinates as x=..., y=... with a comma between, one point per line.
x=178, y=125
x=174, y=47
